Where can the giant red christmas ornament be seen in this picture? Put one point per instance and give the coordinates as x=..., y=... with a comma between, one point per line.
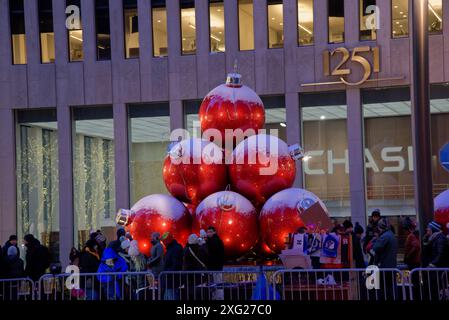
x=261, y=166
x=156, y=213
x=234, y=218
x=194, y=169
x=441, y=208
x=282, y=214
x=232, y=106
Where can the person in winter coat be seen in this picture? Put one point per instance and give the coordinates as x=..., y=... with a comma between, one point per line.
x=372, y=226
x=74, y=256
x=172, y=262
x=215, y=261
x=385, y=251
x=12, y=241
x=156, y=260
x=437, y=247
x=14, y=265
x=111, y=262
x=194, y=259
x=385, y=248
x=215, y=249
x=412, y=252
x=435, y=255
x=357, y=252
x=89, y=261
x=37, y=258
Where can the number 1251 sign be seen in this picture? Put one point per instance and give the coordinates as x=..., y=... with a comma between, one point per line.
x=354, y=56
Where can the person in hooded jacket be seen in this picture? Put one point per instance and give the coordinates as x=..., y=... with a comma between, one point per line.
x=111, y=262
x=194, y=259
x=12, y=241
x=13, y=270
x=172, y=262
x=37, y=258
x=89, y=261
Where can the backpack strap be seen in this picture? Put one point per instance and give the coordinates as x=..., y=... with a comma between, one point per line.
x=197, y=259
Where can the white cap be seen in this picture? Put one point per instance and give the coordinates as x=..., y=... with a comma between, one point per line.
x=125, y=244
x=193, y=239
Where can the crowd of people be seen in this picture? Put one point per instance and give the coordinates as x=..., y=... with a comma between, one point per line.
x=346, y=246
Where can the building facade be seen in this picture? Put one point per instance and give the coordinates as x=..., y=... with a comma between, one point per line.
x=87, y=105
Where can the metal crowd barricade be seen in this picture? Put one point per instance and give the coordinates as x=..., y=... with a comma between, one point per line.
x=214, y=285
x=340, y=284
x=20, y=289
x=98, y=286
x=429, y=284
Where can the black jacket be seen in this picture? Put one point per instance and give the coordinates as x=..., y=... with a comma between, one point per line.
x=439, y=251
x=357, y=252
x=37, y=260
x=14, y=267
x=215, y=248
x=88, y=262
x=6, y=247
x=173, y=257
x=190, y=263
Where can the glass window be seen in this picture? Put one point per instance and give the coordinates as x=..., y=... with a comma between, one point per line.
x=191, y=118
x=368, y=19
x=103, y=29
x=399, y=18
x=159, y=17
x=388, y=151
x=435, y=16
x=336, y=21
x=275, y=115
x=75, y=32
x=93, y=172
x=47, y=36
x=37, y=177
x=439, y=108
x=275, y=24
x=325, y=141
x=216, y=25
x=131, y=28
x=305, y=22
x=18, y=37
x=149, y=137
x=246, y=25
x=188, y=27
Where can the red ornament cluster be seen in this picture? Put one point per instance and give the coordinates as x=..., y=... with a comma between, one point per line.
x=195, y=174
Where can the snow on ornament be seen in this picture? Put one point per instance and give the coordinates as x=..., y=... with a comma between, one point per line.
x=234, y=218
x=232, y=106
x=288, y=210
x=261, y=166
x=156, y=213
x=441, y=208
x=194, y=169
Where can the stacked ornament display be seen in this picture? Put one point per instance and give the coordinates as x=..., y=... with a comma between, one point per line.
x=245, y=193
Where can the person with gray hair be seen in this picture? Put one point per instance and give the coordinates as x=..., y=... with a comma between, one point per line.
x=156, y=260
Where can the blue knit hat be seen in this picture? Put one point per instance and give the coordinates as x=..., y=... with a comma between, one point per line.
x=434, y=226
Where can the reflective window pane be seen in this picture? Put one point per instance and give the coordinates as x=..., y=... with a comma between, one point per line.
x=188, y=27
x=149, y=140
x=325, y=141
x=103, y=29
x=18, y=37
x=368, y=20
x=47, y=36
x=336, y=21
x=436, y=16
x=246, y=25
x=275, y=24
x=37, y=177
x=93, y=172
x=131, y=28
x=388, y=151
x=399, y=18
x=305, y=22
x=275, y=116
x=75, y=33
x=439, y=108
x=159, y=18
x=216, y=24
